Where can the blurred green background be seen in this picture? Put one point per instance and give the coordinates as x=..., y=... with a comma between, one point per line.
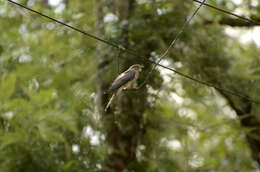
x=52, y=81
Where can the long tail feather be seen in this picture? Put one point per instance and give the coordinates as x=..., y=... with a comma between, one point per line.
x=110, y=101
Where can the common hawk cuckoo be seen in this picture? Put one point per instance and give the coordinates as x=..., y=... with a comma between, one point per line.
x=125, y=80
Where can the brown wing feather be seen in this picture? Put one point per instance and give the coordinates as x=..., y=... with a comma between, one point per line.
x=122, y=80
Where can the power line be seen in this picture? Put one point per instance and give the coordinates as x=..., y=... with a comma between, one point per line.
x=180, y=32
x=69, y=26
x=137, y=55
x=229, y=13
x=172, y=43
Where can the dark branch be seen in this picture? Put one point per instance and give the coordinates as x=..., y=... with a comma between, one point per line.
x=249, y=20
x=233, y=22
x=249, y=121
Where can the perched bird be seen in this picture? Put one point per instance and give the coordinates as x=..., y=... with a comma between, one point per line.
x=125, y=80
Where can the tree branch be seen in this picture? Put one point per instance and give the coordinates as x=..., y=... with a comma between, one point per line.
x=249, y=121
x=233, y=22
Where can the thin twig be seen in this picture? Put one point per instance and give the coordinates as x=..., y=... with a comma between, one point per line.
x=118, y=61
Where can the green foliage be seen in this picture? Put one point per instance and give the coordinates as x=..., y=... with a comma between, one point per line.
x=7, y=87
x=49, y=118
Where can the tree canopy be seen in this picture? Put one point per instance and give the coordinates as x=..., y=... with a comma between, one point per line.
x=52, y=83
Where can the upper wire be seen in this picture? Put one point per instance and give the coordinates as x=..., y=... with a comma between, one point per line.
x=146, y=59
x=229, y=13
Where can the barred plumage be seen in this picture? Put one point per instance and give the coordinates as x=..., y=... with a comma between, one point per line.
x=125, y=80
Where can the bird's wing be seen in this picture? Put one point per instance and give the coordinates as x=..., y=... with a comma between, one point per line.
x=121, y=80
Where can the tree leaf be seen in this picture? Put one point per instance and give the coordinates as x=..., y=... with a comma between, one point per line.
x=7, y=87
x=11, y=138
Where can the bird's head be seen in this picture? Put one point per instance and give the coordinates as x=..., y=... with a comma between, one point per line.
x=137, y=67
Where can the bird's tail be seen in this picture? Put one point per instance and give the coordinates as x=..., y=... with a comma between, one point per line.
x=110, y=101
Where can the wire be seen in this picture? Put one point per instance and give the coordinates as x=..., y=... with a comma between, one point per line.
x=62, y=23
x=172, y=43
x=137, y=55
x=208, y=84
x=229, y=13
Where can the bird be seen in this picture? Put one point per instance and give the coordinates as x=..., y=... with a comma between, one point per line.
x=125, y=81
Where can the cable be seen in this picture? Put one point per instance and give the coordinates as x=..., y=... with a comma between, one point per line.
x=208, y=84
x=172, y=43
x=228, y=12
x=62, y=23
x=137, y=55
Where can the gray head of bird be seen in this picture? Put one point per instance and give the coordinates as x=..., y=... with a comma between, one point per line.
x=137, y=67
